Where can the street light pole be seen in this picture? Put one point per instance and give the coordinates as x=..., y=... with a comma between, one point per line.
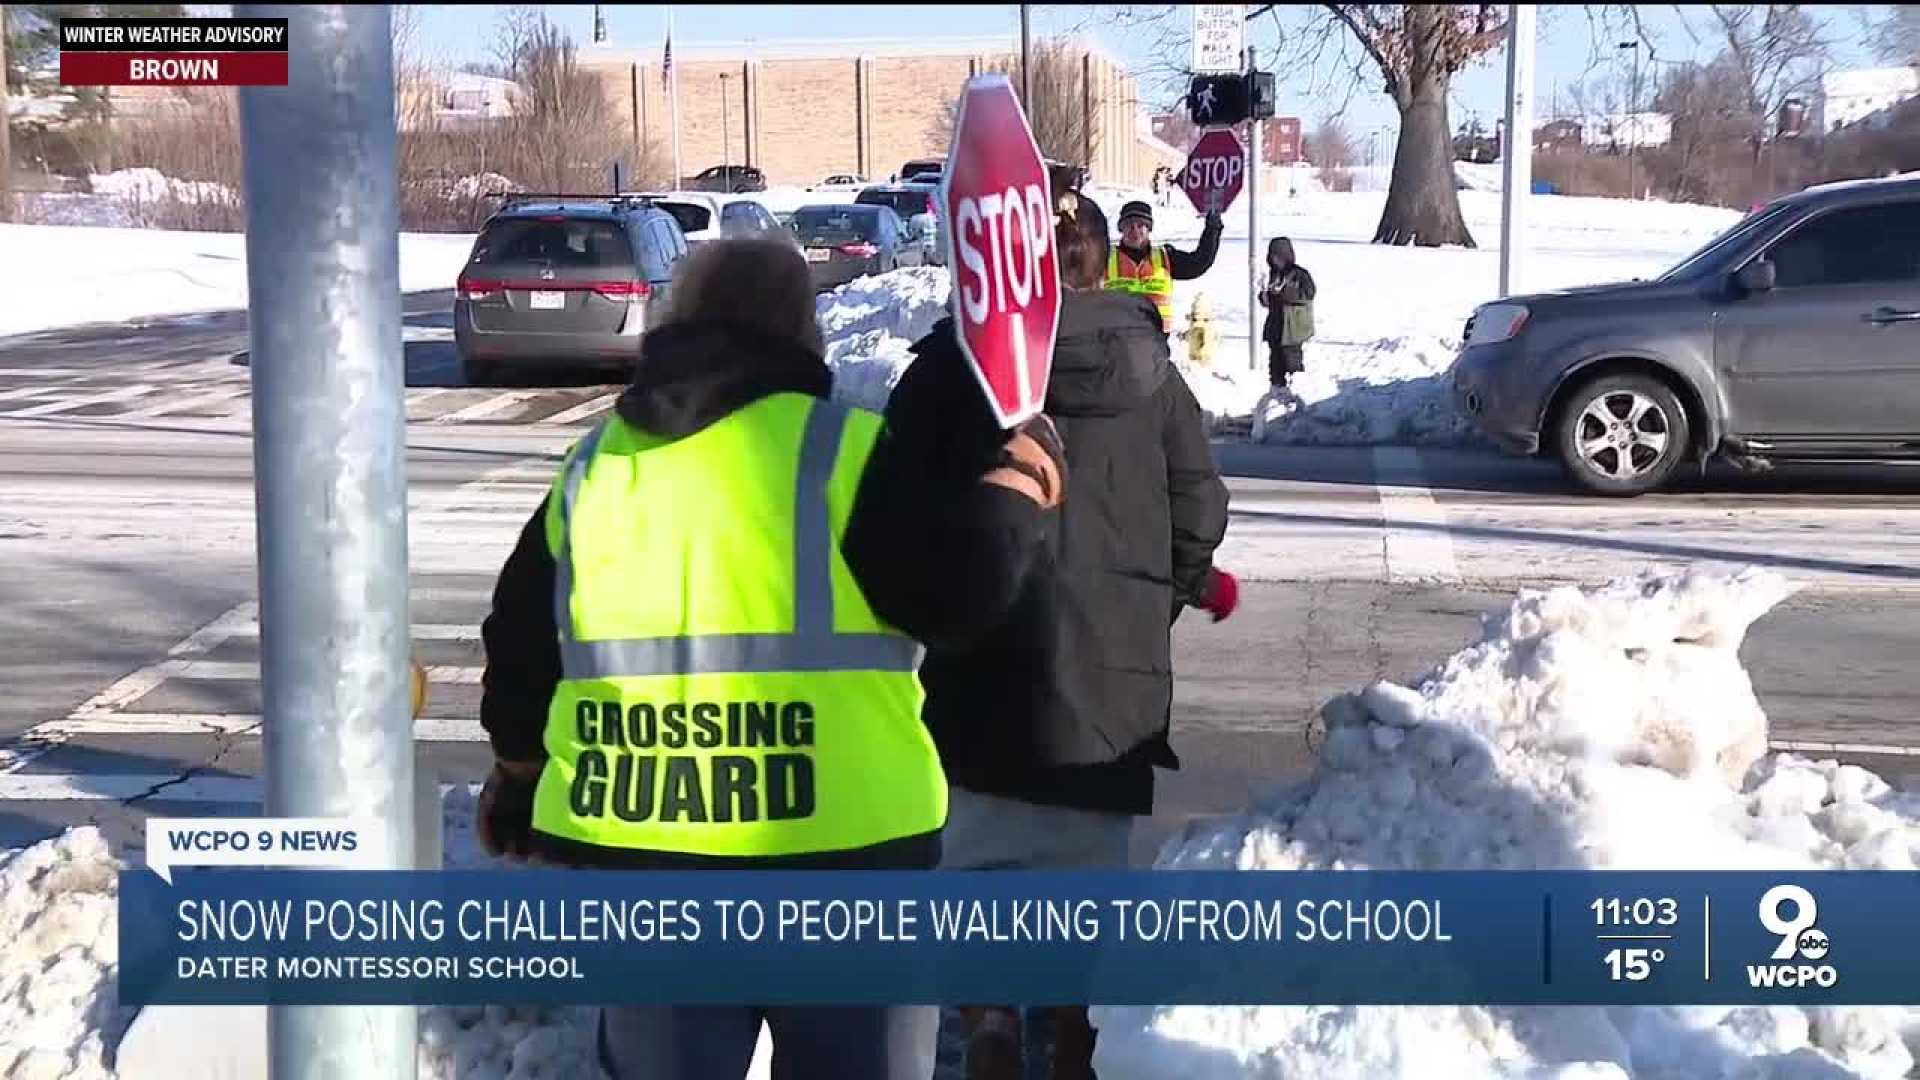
x=1633, y=122
x=330, y=480
x=726, y=137
x=1026, y=61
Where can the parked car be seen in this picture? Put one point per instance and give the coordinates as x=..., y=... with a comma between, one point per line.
x=921, y=170
x=844, y=241
x=568, y=281
x=727, y=178
x=842, y=182
x=705, y=216
x=917, y=204
x=1795, y=335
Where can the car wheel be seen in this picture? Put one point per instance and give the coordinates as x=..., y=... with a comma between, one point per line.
x=1622, y=435
x=478, y=372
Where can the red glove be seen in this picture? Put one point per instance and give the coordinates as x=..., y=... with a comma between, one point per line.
x=1222, y=595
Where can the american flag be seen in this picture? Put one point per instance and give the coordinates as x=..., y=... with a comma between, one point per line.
x=666, y=64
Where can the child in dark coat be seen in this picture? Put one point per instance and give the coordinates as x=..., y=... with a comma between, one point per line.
x=1288, y=297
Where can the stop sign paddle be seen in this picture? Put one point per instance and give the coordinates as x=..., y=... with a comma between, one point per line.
x=999, y=224
x=1215, y=172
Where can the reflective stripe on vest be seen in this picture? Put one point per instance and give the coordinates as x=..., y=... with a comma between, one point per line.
x=761, y=708
x=1152, y=279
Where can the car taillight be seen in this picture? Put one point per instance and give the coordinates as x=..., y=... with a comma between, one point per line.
x=859, y=251
x=620, y=290
x=479, y=289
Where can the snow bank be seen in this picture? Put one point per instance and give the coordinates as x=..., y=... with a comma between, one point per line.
x=54, y=276
x=1608, y=728
x=58, y=1015
x=147, y=186
x=870, y=324
x=1389, y=318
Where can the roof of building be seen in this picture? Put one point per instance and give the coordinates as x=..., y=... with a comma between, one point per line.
x=823, y=49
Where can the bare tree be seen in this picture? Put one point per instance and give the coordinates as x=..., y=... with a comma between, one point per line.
x=1710, y=115
x=1330, y=149
x=1896, y=39
x=1777, y=50
x=565, y=133
x=1058, y=111
x=1417, y=49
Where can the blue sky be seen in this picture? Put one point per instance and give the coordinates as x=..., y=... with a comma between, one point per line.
x=1566, y=43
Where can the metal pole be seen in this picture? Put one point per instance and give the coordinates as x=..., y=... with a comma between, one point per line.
x=1633, y=148
x=1516, y=157
x=633, y=102
x=726, y=139
x=673, y=101
x=1254, y=256
x=330, y=482
x=1026, y=62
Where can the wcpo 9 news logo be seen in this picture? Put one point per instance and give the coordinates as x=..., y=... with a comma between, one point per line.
x=1791, y=913
x=173, y=52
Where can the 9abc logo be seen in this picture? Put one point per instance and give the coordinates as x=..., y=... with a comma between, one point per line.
x=1800, y=940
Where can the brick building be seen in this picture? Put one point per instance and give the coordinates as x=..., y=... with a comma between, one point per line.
x=802, y=111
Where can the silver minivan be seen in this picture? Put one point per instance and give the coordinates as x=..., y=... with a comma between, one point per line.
x=570, y=282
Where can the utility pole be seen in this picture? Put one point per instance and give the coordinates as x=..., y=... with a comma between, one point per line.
x=1255, y=257
x=1026, y=63
x=1516, y=153
x=599, y=26
x=726, y=137
x=673, y=101
x=1633, y=122
x=330, y=481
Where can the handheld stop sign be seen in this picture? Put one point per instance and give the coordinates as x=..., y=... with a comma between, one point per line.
x=1215, y=172
x=1006, y=274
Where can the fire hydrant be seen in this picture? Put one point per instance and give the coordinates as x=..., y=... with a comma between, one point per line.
x=1199, y=334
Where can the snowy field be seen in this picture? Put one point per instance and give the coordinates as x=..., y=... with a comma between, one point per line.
x=1611, y=727
x=56, y=276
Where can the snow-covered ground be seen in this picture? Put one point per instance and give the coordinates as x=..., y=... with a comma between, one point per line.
x=1611, y=727
x=1388, y=318
x=54, y=276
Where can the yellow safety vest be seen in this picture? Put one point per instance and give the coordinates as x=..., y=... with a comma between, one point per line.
x=1151, y=279
x=726, y=689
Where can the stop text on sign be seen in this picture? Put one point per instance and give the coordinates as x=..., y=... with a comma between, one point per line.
x=1002, y=238
x=1216, y=173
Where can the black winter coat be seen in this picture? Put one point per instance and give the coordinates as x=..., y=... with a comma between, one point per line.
x=951, y=558
x=1067, y=702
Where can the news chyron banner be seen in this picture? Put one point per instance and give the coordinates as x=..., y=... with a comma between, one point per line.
x=266, y=925
x=173, y=52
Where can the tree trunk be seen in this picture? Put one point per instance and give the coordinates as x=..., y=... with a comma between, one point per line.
x=1423, y=204
x=6, y=129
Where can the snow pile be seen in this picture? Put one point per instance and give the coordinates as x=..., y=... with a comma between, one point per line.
x=56, y=276
x=480, y=185
x=58, y=1014
x=870, y=323
x=146, y=186
x=1608, y=728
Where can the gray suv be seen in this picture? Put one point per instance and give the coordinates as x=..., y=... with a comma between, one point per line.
x=563, y=280
x=1794, y=335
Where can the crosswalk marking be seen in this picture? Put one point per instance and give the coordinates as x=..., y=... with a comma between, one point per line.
x=493, y=406
x=586, y=410
x=51, y=408
x=187, y=403
x=247, y=671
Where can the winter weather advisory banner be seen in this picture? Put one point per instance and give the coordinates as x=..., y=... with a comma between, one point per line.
x=232, y=936
x=173, y=52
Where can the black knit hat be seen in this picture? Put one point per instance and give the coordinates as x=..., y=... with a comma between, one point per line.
x=1136, y=209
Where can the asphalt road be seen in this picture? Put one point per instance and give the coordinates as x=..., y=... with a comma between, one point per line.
x=126, y=523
